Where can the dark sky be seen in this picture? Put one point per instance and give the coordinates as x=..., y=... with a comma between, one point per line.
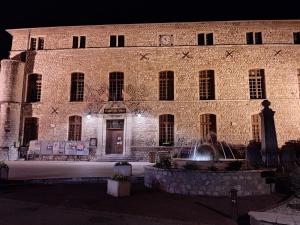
x=33, y=13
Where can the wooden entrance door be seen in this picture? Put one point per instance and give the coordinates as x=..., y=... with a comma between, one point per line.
x=114, y=137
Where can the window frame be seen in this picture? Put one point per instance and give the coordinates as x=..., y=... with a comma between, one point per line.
x=257, y=84
x=166, y=85
x=75, y=128
x=34, y=87
x=166, y=129
x=77, y=87
x=207, y=85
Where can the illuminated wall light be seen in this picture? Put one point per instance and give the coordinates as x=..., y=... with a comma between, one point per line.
x=89, y=116
x=139, y=115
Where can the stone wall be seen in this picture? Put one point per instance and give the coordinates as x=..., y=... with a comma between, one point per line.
x=278, y=56
x=193, y=182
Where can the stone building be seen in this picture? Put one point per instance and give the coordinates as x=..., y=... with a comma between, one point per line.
x=134, y=88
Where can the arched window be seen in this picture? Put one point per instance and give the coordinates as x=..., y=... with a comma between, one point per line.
x=166, y=130
x=75, y=128
x=208, y=126
x=206, y=85
x=77, y=87
x=257, y=84
x=166, y=85
x=116, y=85
x=34, y=87
x=256, y=127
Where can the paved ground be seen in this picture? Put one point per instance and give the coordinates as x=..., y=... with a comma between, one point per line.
x=84, y=204
x=65, y=169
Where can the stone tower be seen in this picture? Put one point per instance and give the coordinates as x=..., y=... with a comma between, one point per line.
x=11, y=83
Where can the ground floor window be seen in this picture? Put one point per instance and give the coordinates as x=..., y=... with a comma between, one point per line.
x=31, y=125
x=75, y=128
x=166, y=130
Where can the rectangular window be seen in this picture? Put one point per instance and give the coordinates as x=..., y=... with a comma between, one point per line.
x=297, y=38
x=209, y=39
x=77, y=87
x=75, y=42
x=75, y=124
x=166, y=85
x=32, y=43
x=117, y=41
x=79, y=42
x=121, y=41
x=205, y=39
x=255, y=123
x=166, y=130
x=40, y=43
x=116, y=83
x=254, y=38
x=206, y=85
x=249, y=38
x=208, y=126
x=82, y=42
x=257, y=84
x=258, y=38
x=113, y=41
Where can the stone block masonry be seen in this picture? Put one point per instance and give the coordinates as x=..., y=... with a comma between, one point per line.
x=210, y=183
x=141, y=60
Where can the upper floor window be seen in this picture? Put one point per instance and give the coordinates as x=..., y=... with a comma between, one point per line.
x=117, y=41
x=166, y=130
x=254, y=38
x=77, y=87
x=116, y=85
x=208, y=126
x=166, y=85
x=36, y=43
x=255, y=124
x=296, y=37
x=205, y=39
x=257, y=84
x=206, y=85
x=75, y=128
x=34, y=87
x=79, y=42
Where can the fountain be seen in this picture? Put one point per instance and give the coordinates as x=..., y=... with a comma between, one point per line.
x=207, y=153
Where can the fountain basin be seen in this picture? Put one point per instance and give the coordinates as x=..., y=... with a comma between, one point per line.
x=220, y=164
x=209, y=183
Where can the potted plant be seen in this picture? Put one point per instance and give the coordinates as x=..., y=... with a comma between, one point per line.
x=3, y=171
x=118, y=185
x=123, y=168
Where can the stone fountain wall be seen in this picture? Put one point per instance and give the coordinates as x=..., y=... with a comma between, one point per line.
x=195, y=182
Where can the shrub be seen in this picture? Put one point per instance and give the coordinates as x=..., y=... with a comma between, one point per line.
x=234, y=166
x=212, y=168
x=190, y=166
x=119, y=177
x=164, y=164
x=3, y=164
x=125, y=163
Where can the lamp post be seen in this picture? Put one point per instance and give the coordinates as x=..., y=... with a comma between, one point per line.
x=234, y=209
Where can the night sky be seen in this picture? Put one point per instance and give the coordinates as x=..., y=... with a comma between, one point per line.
x=33, y=13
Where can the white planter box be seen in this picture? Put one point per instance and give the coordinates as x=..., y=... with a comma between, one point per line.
x=4, y=173
x=125, y=170
x=118, y=188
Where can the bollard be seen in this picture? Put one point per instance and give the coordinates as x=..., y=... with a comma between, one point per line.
x=234, y=208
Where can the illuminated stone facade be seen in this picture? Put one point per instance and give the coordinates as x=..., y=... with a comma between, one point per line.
x=184, y=48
